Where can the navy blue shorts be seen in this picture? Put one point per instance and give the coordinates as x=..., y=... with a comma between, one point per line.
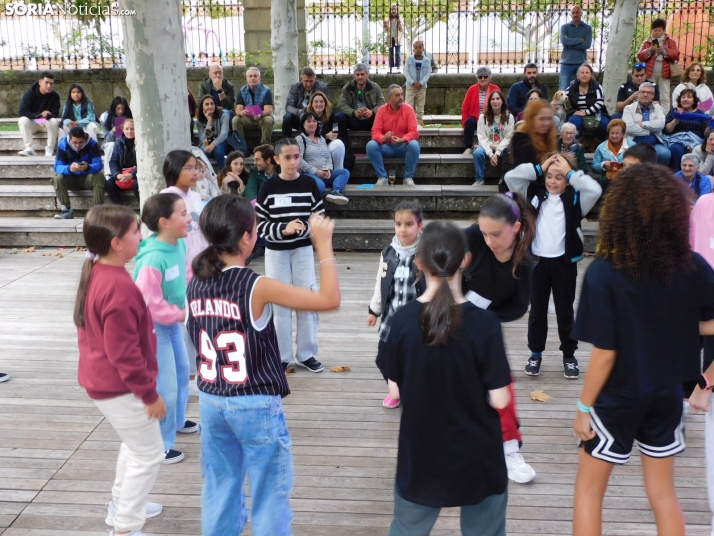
x=654, y=422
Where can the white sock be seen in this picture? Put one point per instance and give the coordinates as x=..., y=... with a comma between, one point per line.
x=510, y=447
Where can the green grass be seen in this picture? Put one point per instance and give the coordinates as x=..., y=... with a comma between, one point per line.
x=9, y=128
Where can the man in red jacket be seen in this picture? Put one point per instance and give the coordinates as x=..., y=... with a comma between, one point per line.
x=474, y=103
x=394, y=135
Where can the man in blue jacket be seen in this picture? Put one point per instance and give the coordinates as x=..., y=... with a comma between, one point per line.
x=518, y=94
x=78, y=166
x=576, y=37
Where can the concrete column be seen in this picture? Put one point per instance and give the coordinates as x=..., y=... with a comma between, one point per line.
x=256, y=15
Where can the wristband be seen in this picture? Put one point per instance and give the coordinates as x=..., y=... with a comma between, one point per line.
x=569, y=175
x=582, y=407
x=329, y=259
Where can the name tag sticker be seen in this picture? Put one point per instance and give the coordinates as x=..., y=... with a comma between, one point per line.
x=478, y=300
x=711, y=242
x=282, y=202
x=172, y=273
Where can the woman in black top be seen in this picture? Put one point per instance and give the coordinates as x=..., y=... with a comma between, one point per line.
x=641, y=305
x=587, y=99
x=451, y=378
x=499, y=279
x=122, y=165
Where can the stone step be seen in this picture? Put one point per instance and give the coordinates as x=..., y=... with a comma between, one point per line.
x=41, y=201
x=357, y=234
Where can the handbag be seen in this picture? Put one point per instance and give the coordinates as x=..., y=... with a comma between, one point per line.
x=126, y=185
x=675, y=69
x=236, y=142
x=591, y=123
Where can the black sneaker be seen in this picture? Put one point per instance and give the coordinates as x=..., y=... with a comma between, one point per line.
x=533, y=366
x=312, y=364
x=189, y=427
x=4, y=377
x=336, y=197
x=172, y=456
x=570, y=367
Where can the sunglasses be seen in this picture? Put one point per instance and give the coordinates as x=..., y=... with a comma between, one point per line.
x=640, y=65
x=484, y=77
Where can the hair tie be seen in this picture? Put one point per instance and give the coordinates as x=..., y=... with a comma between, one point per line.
x=89, y=255
x=509, y=194
x=442, y=273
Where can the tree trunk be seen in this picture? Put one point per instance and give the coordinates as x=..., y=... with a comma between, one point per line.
x=617, y=59
x=156, y=76
x=284, y=42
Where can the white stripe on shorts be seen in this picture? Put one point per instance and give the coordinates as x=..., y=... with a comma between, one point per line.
x=677, y=446
x=602, y=450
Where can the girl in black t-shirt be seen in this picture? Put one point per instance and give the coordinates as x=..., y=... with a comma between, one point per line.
x=451, y=378
x=499, y=279
x=641, y=305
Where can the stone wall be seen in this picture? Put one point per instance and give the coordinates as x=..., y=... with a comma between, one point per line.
x=446, y=90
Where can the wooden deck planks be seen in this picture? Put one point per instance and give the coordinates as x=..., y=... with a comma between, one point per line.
x=57, y=454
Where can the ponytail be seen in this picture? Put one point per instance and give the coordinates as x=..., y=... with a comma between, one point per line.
x=223, y=222
x=441, y=251
x=512, y=207
x=101, y=225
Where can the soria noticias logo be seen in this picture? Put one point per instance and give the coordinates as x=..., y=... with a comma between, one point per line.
x=20, y=9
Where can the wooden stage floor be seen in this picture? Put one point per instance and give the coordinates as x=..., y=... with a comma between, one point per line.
x=57, y=454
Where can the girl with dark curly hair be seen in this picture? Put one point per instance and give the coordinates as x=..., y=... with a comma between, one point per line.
x=641, y=304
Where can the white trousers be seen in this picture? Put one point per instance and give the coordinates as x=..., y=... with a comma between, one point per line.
x=140, y=457
x=337, y=152
x=108, y=150
x=294, y=267
x=28, y=127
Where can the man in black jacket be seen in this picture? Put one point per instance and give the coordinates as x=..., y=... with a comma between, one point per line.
x=223, y=91
x=299, y=97
x=518, y=94
x=39, y=112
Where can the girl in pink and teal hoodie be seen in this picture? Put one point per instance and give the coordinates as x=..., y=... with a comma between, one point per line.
x=160, y=274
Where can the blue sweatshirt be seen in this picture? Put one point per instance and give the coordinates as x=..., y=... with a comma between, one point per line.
x=574, y=48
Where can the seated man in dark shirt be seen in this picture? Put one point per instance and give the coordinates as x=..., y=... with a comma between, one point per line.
x=629, y=91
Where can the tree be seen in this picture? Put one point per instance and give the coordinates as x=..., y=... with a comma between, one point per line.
x=617, y=59
x=156, y=76
x=284, y=43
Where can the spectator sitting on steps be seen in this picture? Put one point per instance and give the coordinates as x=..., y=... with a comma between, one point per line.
x=299, y=98
x=698, y=184
x=78, y=166
x=79, y=112
x=394, y=135
x=223, y=91
x=629, y=91
x=358, y=104
x=254, y=94
x=123, y=165
x=645, y=121
x=39, y=112
x=474, y=103
x=518, y=94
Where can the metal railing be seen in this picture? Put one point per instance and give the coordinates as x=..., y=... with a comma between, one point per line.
x=461, y=35
x=213, y=32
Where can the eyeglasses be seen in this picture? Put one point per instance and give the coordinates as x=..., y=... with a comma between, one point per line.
x=640, y=65
x=191, y=169
x=482, y=77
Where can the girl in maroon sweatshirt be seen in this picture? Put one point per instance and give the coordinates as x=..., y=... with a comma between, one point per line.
x=117, y=361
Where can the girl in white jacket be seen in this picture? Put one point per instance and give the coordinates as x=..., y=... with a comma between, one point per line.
x=494, y=131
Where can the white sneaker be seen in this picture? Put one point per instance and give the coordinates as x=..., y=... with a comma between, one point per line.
x=132, y=533
x=381, y=181
x=152, y=510
x=193, y=388
x=27, y=151
x=518, y=470
x=468, y=151
x=49, y=151
x=408, y=181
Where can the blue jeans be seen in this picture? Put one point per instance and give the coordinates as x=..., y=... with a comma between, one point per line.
x=376, y=153
x=677, y=151
x=487, y=518
x=395, y=56
x=663, y=153
x=601, y=133
x=245, y=435
x=480, y=162
x=567, y=73
x=219, y=153
x=172, y=382
x=338, y=179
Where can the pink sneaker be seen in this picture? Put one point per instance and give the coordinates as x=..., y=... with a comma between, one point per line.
x=390, y=402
